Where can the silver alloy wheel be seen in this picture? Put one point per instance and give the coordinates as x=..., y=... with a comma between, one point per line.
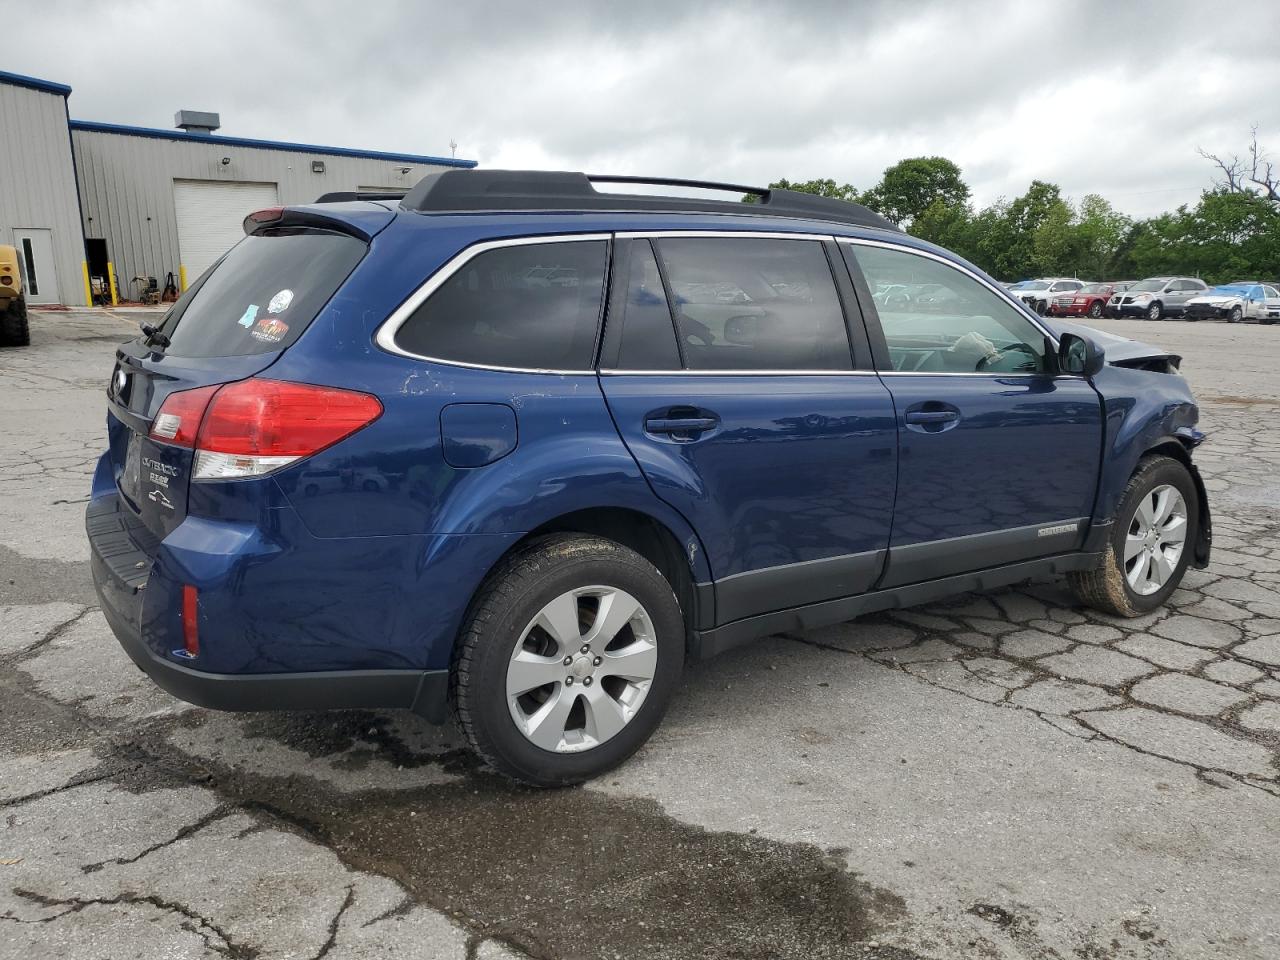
x=581, y=669
x=1155, y=540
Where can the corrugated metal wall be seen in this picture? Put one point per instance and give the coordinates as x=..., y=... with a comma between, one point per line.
x=126, y=184
x=38, y=181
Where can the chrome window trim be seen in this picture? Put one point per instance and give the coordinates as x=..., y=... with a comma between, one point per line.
x=385, y=337
x=716, y=234
x=1015, y=302
x=736, y=373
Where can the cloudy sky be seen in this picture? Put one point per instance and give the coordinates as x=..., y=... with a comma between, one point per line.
x=1096, y=95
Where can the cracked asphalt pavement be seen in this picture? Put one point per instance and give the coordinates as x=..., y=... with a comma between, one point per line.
x=1003, y=775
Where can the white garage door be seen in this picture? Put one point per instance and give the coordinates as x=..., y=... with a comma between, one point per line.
x=211, y=218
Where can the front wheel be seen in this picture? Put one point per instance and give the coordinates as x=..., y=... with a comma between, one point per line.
x=569, y=657
x=1235, y=315
x=1155, y=311
x=1095, y=310
x=1156, y=524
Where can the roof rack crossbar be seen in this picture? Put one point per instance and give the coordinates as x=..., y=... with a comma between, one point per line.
x=527, y=191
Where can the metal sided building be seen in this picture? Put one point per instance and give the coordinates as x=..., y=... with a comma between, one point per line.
x=39, y=212
x=160, y=202
x=111, y=203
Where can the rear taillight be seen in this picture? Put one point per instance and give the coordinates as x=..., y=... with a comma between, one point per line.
x=255, y=426
x=179, y=418
x=251, y=427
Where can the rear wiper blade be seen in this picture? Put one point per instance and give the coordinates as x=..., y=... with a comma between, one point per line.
x=154, y=336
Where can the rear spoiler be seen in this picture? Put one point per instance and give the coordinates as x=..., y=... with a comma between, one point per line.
x=363, y=223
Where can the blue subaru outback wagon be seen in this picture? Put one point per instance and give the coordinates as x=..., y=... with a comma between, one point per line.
x=518, y=447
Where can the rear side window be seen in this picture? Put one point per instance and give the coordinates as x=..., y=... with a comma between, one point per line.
x=639, y=317
x=262, y=294
x=754, y=304
x=531, y=306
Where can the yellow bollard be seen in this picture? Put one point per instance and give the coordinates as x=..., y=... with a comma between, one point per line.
x=88, y=287
x=182, y=278
x=111, y=282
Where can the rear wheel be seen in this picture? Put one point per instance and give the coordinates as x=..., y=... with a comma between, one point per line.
x=1095, y=309
x=14, y=330
x=568, y=659
x=1150, y=544
x=1155, y=311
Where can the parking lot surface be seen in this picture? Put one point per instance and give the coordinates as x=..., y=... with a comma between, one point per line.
x=1000, y=775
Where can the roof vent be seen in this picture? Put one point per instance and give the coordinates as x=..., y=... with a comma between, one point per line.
x=196, y=121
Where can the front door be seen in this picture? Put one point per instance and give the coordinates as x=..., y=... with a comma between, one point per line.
x=998, y=457
x=35, y=250
x=753, y=422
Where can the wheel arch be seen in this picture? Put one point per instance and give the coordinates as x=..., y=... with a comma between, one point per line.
x=1179, y=449
x=648, y=536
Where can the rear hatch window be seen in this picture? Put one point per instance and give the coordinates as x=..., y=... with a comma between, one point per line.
x=261, y=296
x=231, y=324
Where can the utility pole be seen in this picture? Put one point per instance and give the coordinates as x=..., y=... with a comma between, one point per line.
x=453, y=148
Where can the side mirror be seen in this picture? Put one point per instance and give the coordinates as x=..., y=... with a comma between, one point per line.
x=1079, y=356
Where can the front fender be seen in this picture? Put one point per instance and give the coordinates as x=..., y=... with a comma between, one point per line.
x=1142, y=410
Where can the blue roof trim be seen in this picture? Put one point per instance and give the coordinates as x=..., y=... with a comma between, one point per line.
x=181, y=136
x=35, y=83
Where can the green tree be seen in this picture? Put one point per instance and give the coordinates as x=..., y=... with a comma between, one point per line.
x=1101, y=233
x=822, y=188
x=911, y=186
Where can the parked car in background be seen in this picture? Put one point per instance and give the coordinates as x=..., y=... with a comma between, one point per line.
x=1038, y=294
x=1157, y=297
x=1236, y=301
x=14, y=331
x=1089, y=301
x=591, y=490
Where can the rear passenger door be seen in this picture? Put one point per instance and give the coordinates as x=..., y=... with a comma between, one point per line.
x=728, y=368
x=998, y=456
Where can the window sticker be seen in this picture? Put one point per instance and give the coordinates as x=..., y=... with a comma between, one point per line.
x=250, y=315
x=280, y=302
x=269, y=330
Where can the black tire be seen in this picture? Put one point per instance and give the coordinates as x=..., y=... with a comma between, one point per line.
x=14, y=328
x=521, y=585
x=1236, y=315
x=1105, y=587
x=1095, y=310
x=1155, y=311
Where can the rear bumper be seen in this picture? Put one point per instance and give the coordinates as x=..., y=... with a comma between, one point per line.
x=121, y=570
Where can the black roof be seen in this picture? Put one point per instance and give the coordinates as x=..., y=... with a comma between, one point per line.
x=471, y=191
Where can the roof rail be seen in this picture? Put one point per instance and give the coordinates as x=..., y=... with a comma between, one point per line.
x=347, y=196
x=472, y=191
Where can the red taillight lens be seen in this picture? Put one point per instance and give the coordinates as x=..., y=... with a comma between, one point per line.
x=271, y=418
x=190, y=623
x=255, y=426
x=179, y=418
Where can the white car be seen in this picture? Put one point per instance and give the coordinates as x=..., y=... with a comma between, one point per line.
x=1236, y=301
x=1038, y=294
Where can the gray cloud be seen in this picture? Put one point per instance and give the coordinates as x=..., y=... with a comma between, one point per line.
x=1096, y=96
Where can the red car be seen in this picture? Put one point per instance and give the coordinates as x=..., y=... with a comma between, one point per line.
x=1089, y=301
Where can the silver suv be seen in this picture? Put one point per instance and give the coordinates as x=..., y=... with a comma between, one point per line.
x=1157, y=297
x=1038, y=294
